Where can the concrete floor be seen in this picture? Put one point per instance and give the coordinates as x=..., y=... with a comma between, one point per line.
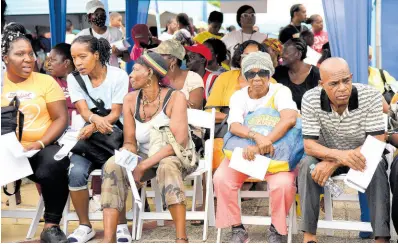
x=15, y=231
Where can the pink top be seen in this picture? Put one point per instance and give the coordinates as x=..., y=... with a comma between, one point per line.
x=136, y=52
x=320, y=38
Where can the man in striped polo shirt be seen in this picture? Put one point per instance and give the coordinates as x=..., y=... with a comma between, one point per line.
x=337, y=117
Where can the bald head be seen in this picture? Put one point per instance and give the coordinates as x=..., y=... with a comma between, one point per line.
x=334, y=69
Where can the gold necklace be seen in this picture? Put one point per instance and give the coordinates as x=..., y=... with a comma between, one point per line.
x=146, y=102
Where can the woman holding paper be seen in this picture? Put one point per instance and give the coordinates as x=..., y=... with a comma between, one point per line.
x=46, y=117
x=150, y=105
x=257, y=68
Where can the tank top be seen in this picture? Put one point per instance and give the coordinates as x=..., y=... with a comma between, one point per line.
x=142, y=128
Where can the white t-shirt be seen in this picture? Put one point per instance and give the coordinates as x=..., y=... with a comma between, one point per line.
x=165, y=36
x=241, y=104
x=111, y=91
x=192, y=82
x=112, y=34
x=236, y=37
x=312, y=56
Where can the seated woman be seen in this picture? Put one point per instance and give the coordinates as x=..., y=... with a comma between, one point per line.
x=46, y=118
x=186, y=81
x=224, y=86
x=60, y=65
x=257, y=68
x=108, y=84
x=295, y=74
x=150, y=104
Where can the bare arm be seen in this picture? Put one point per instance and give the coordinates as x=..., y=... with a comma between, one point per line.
x=178, y=126
x=130, y=141
x=59, y=116
x=196, y=98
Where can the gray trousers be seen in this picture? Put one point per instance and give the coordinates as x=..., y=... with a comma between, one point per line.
x=377, y=193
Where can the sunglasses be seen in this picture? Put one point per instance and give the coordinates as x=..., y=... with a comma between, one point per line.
x=262, y=74
x=247, y=15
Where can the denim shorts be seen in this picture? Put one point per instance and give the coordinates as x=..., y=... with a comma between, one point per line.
x=79, y=171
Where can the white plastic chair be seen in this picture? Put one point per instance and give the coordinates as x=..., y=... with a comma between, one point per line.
x=201, y=119
x=332, y=225
x=263, y=220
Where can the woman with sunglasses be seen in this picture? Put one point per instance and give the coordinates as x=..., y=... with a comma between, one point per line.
x=107, y=85
x=246, y=19
x=257, y=68
x=294, y=73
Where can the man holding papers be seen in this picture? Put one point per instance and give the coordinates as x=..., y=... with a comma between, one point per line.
x=257, y=68
x=337, y=118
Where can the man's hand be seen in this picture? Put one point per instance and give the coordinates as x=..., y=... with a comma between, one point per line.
x=129, y=147
x=102, y=124
x=322, y=171
x=352, y=158
x=249, y=153
x=33, y=146
x=138, y=172
x=264, y=144
x=86, y=132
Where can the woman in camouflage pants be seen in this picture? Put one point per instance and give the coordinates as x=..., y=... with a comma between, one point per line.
x=149, y=105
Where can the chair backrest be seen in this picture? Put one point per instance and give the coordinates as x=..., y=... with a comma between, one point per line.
x=206, y=120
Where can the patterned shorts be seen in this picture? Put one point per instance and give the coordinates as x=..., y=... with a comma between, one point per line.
x=169, y=176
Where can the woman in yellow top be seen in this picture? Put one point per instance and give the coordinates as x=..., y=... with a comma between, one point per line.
x=43, y=103
x=225, y=85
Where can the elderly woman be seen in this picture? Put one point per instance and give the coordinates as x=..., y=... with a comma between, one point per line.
x=186, y=81
x=257, y=69
x=150, y=104
x=46, y=118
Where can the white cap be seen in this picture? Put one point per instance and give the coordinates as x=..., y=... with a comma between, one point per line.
x=93, y=5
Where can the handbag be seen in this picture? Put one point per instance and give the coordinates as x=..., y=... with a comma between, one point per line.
x=388, y=92
x=288, y=150
x=99, y=147
x=11, y=119
x=220, y=129
x=160, y=137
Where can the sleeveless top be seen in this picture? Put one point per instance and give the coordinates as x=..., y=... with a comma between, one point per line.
x=142, y=128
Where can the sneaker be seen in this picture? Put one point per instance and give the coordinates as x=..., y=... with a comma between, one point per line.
x=82, y=234
x=53, y=235
x=239, y=235
x=274, y=236
x=123, y=234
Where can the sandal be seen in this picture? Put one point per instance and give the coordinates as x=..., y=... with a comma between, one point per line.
x=197, y=222
x=182, y=239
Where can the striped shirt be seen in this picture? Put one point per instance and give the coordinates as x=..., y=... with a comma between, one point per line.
x=363, y=116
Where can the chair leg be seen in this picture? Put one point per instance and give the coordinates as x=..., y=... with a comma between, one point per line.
x=328, y=210
x=199, y=190
x=158, y=200
x=212, y=211
x=294, y=227
x=195, y=192
x=66, y=215
x=134, y=226
x=219, y=235
x=36, y=219
x=140, y=221
x=290, y=228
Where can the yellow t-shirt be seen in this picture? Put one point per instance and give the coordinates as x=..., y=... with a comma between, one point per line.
x=34, y=94
x=203, y=36
x=375, y=80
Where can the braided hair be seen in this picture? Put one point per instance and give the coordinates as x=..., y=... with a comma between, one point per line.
x=299, y=44
x=100, y=45
x=11, y=33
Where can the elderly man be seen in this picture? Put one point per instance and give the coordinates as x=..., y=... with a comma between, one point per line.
x=337, y=117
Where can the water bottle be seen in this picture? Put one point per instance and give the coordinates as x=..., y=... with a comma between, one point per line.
x=334, y=189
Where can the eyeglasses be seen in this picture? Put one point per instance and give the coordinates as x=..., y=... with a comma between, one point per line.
x=262, y=74
x=247, y=15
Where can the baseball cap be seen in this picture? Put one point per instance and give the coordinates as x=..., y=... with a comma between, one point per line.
x=170, y=47
x=93, y=5
x=200, y=49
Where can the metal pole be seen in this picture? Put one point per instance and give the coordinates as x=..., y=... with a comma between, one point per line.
x=378, y=34
x=157, y=17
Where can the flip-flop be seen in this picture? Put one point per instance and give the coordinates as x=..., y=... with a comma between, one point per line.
x=197, y=222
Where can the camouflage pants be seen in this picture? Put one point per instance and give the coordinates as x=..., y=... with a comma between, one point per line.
x=115, y=183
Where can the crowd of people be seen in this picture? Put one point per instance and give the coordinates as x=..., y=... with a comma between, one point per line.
x=239, y=74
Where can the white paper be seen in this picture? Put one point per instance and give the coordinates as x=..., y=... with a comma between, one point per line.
x=68, y=140
x=12, y=168
x=129, y=161
x=372, y=150
x=121, y=45
x=257, y=168
x=15, y=147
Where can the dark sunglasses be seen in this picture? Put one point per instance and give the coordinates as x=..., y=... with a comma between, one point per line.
x=262, y=74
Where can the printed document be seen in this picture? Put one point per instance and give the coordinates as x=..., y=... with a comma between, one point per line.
x=256, y=168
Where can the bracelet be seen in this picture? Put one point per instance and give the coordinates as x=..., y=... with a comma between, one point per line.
x=251, y=135
x=42, y=144
x=89, y=118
